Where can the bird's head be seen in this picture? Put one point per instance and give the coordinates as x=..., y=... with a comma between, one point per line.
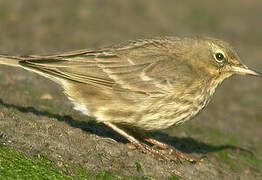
x=217, y=58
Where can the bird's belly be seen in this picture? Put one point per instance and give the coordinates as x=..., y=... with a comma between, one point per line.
x=172, y=113
x=148, y=113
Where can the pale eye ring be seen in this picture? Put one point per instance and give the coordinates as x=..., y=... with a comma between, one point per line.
x=220, y=56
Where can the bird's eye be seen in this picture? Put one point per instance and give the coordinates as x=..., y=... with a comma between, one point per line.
x=219, y=56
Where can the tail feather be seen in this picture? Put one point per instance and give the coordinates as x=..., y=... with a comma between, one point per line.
x=10, y=60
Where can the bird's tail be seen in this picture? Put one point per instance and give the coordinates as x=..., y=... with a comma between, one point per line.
x=10, y=60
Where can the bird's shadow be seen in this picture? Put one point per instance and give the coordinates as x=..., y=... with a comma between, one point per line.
x=184, y=144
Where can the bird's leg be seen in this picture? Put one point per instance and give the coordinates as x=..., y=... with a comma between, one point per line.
x=143, y=147
x=171, y=150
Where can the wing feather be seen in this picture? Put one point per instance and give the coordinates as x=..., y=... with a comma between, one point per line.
x=148, y=68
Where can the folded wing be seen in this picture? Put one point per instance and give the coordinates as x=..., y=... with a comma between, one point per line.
x=146, y=68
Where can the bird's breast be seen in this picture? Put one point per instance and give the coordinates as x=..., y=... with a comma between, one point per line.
x=173, y=110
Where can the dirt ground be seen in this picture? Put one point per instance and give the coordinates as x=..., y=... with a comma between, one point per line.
x=36, y=118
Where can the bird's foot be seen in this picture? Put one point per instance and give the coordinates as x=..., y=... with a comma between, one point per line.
x=156, y=153
x=159, y=149
x=171, y=151
x=179, y=155
x=167, y=153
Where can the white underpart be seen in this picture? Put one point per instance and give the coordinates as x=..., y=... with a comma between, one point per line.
x=77, y=105
x=80, y=107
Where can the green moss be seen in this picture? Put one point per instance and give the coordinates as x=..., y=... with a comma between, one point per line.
x=212, y=134
x=224, y=158
x=252, y=161
x=225, y=147
x=80, y=171
x=138, y=167
x=216, y=134
x=258, y=117
x=173, y=177
x=13, y=165
x=105, y=175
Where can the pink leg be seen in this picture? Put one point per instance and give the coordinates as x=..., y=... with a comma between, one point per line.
x=172, y=150
x=174, y=153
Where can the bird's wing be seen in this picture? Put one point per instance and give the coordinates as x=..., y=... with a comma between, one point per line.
x=146, y=70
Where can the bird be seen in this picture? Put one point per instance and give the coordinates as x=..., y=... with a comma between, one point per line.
x=141, y=85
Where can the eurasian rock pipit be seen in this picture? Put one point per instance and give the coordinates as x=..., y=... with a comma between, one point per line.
x=142, y=85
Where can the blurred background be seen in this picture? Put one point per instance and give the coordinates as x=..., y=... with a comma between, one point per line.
x=233, y=117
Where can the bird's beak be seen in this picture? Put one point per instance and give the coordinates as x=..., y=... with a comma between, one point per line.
x=244, y=70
